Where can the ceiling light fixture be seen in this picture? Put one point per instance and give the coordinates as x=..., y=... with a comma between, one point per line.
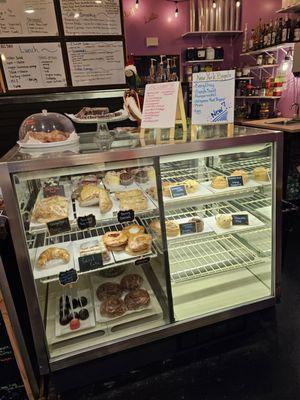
x=98, y=1
x=176, y=10
x=29, y=11
x=238, y=3
x=76, y=15
x=136, y=4
x=214, y=4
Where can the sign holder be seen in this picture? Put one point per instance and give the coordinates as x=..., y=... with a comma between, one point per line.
x=180, y=119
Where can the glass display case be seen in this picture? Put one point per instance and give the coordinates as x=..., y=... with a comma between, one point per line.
x=123, y=247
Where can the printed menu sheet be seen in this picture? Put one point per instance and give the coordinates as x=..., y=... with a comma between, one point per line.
x=213, y=98
x=90, y=17
x=33, y=65
x=27, y=18
x=96, y=63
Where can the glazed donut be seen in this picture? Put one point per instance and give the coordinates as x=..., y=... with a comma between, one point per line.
x=115, y=240
x=108, y=289
x=131, y=282
x=137, y=299
x=112, y=307
x=133, y=229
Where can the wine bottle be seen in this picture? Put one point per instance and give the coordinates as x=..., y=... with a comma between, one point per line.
x=251, y=40
x=297, y=30
x=279, y=32
x=270, y=33
x=273, y=38
x=266, y=35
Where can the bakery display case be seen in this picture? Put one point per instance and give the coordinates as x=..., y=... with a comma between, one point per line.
x=123, y=247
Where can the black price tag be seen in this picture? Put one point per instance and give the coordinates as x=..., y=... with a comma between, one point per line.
x=57, y=190
x=241, y=219
x=90, y=262
x=68, y=277
x=235, y=181
x=59, y=226
x=142, y=261
x=178, y=191
x=187, y=228
x=125, y=216
x=88, y=221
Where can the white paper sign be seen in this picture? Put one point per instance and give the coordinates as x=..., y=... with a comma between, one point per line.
x=96, y=63
x=90, y=17
x=160, y=104
x=27, y=18
x=33, y=65
x=213, y=98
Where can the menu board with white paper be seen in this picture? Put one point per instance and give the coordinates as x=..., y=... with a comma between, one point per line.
x=90, y=17
x=33, y=65
x=96, y=63
x=160, y=105
x=27, y=18
x=213, y=98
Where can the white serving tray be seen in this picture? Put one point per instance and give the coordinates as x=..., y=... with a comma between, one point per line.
x=265, y=211
x=34, y=144
x=53, y=267
x=76, y=249
x=250, y=184
x=253, y=223
x=120, y=118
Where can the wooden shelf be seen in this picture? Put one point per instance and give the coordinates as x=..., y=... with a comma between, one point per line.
x=291, y=9
x=269, y=49
x=258, y=97
x=245, y=78
x=202, y=61
x=215, y=33
x=264, y=66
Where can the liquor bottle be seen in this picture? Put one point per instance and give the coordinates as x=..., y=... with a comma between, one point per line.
x=279, y=32
x=266, y=35
x=297, y=30
x=273, y=38
x=252, y=39
x=261, y=36
x=245, y=43
x=292, y=31
x=270, y=34
x=286, y=30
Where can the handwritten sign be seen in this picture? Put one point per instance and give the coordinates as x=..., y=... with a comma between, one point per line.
x=160, y=105
x=68, y=277
x=235, y=181
x=27, y=18
x=96, y=63
x=59, y=226
x=125, y=216
x=178, y=191
x=33, y=65
x=213, y=98
x=240, y=219
x=187, y=228
x=87, y=221
x=90, y=17
x=90, y=262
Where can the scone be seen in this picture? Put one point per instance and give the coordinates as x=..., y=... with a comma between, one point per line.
x=172, y=228
x=224, y=220
x=191, y=185
x=242, y=173
x=89, y=195
x=261, y=174
x=219, y=182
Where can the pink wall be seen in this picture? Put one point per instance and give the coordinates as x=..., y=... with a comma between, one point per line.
x=169, y=29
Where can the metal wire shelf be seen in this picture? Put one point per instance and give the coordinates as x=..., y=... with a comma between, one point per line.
x=247, y=164
x=253, y=202
x=197, y=258
x=260, y=240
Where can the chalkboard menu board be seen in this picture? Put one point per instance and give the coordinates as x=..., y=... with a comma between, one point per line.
x=96, y=63
x=33, y=65
x=89, y=17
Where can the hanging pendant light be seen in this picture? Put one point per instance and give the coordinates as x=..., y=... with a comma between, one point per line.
x=137, y=4
x=176, y=14
x=214, y=4
x=176, y=10
x=238, y=3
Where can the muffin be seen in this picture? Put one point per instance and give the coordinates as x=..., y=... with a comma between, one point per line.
x=241, y=173
x=219, y=182
x=261, y=174
x=224, y=221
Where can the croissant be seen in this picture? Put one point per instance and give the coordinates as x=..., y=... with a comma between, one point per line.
x=105, y=202
x=53, y=253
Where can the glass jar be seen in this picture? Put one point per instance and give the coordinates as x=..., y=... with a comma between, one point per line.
x=210, y=53
x=201, y=53
x=259, y=60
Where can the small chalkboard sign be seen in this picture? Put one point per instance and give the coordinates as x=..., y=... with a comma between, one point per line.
x=235, y=181
x=187, y=228
x=89, y=221
x=240, y=219
x=90, y=262
x=56, y=190
x=125, y=216
x=142, y=261
x=68, y=277
x=178, y=191
x=59, y=226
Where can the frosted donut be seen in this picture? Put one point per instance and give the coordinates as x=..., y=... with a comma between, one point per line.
x=137, y=299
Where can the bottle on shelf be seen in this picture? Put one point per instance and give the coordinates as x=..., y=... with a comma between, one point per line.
x=273, y=37
x=297, y=30
x=270, y=33
x=286, y=30
x=244, y=47
x=266, y=35
x=261, y=36
x=278, y=38
x=252, y=39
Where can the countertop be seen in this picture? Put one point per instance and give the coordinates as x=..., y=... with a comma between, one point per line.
x=271, y=123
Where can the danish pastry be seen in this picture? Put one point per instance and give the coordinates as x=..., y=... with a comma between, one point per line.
x=105, y=202
x=115, y=240
x=224, y=220
x=133, y=229
x=125, y=195
x=89, y=195
x=53, y=253
x=138, y=244
x=137, y=299
x=108, y=289
x=131, y=282
x=112, y=307
x=261, y=174
x=51, y=209
x=219, y=182
x=172, y=228
x=241, y=173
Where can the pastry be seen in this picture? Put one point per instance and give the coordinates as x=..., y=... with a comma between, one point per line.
x=261, y=174
x=74, y=324
x=219, y=182
x=224, y=220
x=241, y=173
x=49, y=137
x=139, y=244
x=153, y=192
x=137, y=299
x=113, y=272
x=83, y=301
x=136, y=204
x=166, y=188
x=133, y=229
x=131, y=282
x=172, y=228
x=112, y=307
x=83, y=314
x=105, y=202
x=92, y=112
x=112, y=178
x=51, y=209
x=65, y=318
x=191, y=185
x=95, y=246
x=199, y=223
x=53, y=253
x=151, y=173
x=126, y=179
x=141, y=177
x=52, y=188
x=115, y=240
x=89, y=180
x=125, y=195
x=89, y=195
x=75, y=303
x=108, y=289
